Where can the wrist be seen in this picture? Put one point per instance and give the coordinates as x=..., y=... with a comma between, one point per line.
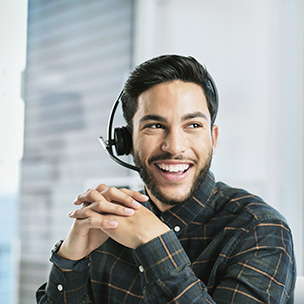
x=151, y=236
x=68, y=251
x=64, y=253
x=65, y=264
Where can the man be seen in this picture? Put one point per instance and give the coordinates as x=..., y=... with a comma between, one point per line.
x=187, y=239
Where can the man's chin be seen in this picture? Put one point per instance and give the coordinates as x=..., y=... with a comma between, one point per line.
x=172, y=197
x=170, y=200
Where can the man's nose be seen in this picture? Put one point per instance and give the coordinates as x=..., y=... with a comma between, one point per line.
x=175, y=142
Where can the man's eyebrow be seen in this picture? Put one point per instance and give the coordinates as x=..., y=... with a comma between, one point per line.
x=153, y=117
x=194, y=115
x=184, y=118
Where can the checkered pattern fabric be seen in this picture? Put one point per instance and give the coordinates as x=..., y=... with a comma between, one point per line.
x=225, y=246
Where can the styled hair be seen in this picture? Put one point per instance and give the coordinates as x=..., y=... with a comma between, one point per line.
x=163, y=69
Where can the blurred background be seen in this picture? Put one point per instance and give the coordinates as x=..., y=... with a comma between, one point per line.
x=63, y=63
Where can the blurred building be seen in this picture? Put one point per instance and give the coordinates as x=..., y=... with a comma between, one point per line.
x=78, y=56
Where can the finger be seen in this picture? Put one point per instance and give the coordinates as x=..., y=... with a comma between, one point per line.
x=116, y=195
x=96, y=221
x=135, y=194
x=90, y=196
x=101, y=187
x=101, y=207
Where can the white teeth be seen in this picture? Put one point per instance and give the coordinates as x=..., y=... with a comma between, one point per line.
x=173, y=168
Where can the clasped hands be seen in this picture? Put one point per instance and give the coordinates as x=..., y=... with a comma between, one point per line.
x=110, y=212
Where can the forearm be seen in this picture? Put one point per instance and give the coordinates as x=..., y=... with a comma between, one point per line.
x=166, y=274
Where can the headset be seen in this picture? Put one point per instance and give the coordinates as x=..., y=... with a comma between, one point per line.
x=122, y=140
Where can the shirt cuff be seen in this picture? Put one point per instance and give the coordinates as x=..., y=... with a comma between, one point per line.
x=70, y=286
x=159, y=257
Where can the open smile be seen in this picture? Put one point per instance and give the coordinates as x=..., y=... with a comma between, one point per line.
x=173, y=172
x=173, y=168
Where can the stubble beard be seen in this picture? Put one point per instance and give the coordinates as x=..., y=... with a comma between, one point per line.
x=151, y=183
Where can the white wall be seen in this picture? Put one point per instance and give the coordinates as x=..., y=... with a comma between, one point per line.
x=254, y=51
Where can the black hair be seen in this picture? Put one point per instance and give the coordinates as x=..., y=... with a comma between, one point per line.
x=163, y=69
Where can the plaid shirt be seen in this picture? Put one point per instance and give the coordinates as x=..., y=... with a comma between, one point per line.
x=225, y=246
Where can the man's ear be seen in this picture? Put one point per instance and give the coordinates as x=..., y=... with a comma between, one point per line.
x=214, y=134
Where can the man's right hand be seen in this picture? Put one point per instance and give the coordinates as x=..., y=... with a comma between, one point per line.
x=99, y=206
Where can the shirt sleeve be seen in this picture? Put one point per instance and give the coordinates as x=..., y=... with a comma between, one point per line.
x=64, y=287
x=165, y=273
x=260, y=269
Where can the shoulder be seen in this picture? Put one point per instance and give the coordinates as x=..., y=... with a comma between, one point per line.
x=252, y=225
x=240, y=202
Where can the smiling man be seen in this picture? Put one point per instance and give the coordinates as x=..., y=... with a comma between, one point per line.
x=174, y=141
x=185, y=238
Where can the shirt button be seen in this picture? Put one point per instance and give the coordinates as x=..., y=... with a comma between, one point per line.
x=141, y=268
x=59, y=287
x=176, y=229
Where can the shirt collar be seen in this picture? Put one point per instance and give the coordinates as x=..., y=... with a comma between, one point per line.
x=179, y=217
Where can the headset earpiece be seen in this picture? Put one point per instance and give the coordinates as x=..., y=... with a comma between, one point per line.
x=122, y=141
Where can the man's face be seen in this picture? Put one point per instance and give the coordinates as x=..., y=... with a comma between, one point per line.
x=172, y=140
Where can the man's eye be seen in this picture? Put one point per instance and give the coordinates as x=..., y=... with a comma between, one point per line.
x=195, y=125
x=155, y=126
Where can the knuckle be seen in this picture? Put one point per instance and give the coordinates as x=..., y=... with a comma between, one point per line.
x=90, y=191
x=96, y=222
x=112, y=190
x=101, y=187
x=85, y=212
x=94, y=191
x=87, y=192
x=92, y=194
x=91, y=221
x=126, y=192
x=119, y=209
x=99, y=204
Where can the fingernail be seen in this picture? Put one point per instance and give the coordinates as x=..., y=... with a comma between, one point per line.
x=136, y=204
x=71, y=213
x=129, y=211
x=145, y=197
x=113, y=223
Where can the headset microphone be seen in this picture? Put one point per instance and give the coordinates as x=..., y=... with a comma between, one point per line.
x=122, y=139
